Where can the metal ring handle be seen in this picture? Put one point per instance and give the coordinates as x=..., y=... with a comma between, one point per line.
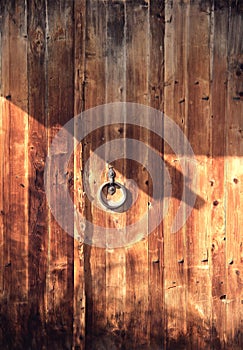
x=111, y=204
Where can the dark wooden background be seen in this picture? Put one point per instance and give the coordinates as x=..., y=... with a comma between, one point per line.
x=181, y=291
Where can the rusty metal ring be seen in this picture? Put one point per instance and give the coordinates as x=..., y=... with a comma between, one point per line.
x=111, y=204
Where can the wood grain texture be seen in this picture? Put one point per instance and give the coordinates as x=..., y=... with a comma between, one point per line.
x=60, y=95
x=94, y=257
x=218, y=115
x=198, y=131
x=137, y=316
x=14, y=297
x=37, y=148
x=79, y=85
x=168, y=291
x=177, y=21
x=233, y=179
x=156, y=238
x=116, y=82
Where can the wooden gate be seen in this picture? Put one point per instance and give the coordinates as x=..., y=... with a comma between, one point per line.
x=166, y=291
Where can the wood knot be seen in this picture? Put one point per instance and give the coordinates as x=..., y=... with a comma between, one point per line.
x=37, y=41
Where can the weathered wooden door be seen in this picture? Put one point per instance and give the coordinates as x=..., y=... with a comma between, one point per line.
x=61, y=58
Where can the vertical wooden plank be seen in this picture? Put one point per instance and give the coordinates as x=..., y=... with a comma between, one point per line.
x=95, y=258
x=177, y=45
x=115, y=72
x=1, y=196
x=5, y=256
x=60, y=109
x=198, y=132
x=2, y=142
x=79, y=84
x=233, y=181
x=37, y=147
x=137, y=291
x=17, y=151
x=155, y=239
x=219, y=32
x=15, y=175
